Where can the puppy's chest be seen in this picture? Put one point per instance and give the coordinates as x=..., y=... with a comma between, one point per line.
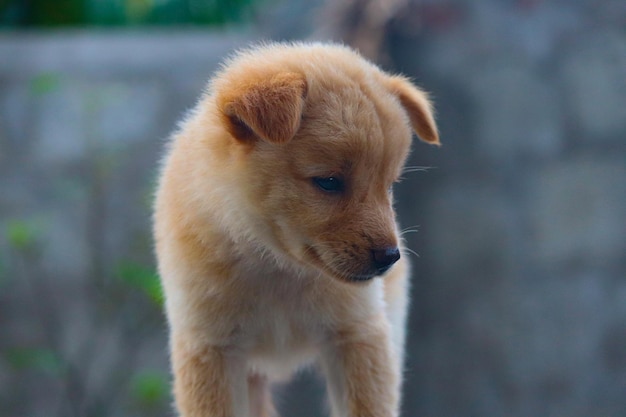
x=283, y=328
x=282, y=321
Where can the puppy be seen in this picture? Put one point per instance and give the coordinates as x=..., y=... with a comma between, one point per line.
x=273, y=220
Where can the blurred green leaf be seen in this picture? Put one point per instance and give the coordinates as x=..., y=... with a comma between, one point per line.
x=21, y=234
x=142, y=278
x=44, y=83
x=54, y=13
x=149, y=388
x=47, y=13
x=40, y=359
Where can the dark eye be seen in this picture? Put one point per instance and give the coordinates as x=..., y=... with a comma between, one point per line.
x=329, y=184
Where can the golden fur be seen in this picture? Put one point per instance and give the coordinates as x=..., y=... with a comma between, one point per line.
x=263, y=269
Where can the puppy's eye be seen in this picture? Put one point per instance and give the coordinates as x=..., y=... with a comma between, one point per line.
x=329, y=184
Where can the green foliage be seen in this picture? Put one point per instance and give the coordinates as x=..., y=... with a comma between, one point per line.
x=44, y=83
x=142, y=278
x=44, y=360
x=149, y=388
x=42, y=12
x=21, y=234
x=124, y=12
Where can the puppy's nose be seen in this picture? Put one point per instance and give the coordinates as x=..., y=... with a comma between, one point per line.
x=385, y=257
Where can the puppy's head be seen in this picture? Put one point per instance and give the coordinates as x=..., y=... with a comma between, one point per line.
x=322, y=135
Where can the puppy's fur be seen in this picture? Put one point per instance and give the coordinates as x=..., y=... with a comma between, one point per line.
x=273, y=216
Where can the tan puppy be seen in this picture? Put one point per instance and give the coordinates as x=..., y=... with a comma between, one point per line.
x=273, y=217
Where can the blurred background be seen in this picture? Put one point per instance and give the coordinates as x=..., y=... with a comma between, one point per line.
x=519, y=290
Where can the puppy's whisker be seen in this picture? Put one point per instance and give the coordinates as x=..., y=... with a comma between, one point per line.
x=408, y=231
x=416, y=168
x=414, y=227
x=404, y=232
x=411, y=251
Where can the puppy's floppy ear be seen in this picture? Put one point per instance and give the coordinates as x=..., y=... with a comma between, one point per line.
x=269, y=108
x=418, y=107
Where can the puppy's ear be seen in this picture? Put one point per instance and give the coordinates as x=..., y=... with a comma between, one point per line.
x=268, y=108
x=418, y=107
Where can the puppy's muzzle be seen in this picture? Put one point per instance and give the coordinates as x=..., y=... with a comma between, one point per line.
x=384, y=258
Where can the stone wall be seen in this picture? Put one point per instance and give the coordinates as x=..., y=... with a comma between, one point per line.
x=84, y=117
x=519, y=292
x=520, y=289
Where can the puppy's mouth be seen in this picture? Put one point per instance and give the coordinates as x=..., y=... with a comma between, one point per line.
x=361, y=277
x=315, y=259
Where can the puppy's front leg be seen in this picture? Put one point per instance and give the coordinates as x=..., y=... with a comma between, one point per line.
x=208, y=382
x=361, y=373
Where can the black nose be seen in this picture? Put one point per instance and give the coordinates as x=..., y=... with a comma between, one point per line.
x=385, y=257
